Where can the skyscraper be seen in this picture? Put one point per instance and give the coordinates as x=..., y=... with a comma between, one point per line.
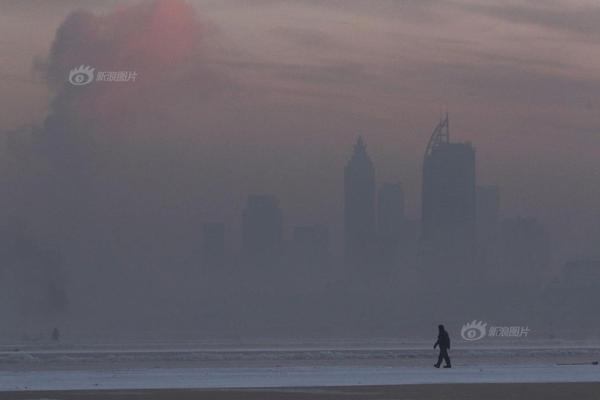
x=359, y=206
x=262, y=230
x=448, y=198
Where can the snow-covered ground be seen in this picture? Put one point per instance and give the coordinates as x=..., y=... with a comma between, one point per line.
x=173, y=378
x=123, y=367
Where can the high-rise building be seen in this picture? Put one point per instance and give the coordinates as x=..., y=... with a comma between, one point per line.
x=262, y=229
x=448, y=198
x=488, y=210
x=359, y=206
x=213, y=244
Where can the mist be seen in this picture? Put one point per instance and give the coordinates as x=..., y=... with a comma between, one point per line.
x=224, y=192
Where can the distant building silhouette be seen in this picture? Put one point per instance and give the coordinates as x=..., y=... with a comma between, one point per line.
x=262, y=230
x=359, y=207
x=447, y=254
x=448, y=198
x=391, y=223
x=213, y=244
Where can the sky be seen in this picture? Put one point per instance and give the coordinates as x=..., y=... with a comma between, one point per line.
x=237, y=97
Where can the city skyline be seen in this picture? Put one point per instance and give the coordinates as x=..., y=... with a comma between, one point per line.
x=292, y=198
x=113, y=182
x=374, y=211
x=395, y=122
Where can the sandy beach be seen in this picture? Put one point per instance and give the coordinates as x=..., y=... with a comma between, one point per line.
x=529, y=391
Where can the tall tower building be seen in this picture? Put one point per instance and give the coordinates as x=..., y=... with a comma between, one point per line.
x=262, y=230
x=359, y=206
x=448, y=198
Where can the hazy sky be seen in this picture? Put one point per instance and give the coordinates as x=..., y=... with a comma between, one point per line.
x=268, y=96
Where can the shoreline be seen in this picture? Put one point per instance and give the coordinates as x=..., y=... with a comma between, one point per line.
x=276, y=377
x=458, y=391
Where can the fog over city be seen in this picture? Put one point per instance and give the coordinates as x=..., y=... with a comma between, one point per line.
x=298, y=169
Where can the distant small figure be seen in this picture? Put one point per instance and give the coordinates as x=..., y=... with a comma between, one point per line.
x=55, y=335
x=443, y=340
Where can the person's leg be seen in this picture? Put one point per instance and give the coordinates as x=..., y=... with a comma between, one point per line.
x=446, y=358
x=440, y=357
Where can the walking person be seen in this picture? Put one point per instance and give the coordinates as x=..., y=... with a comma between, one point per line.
x=443, y=341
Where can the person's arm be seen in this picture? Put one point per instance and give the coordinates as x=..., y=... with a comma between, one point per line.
x=436, y=343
